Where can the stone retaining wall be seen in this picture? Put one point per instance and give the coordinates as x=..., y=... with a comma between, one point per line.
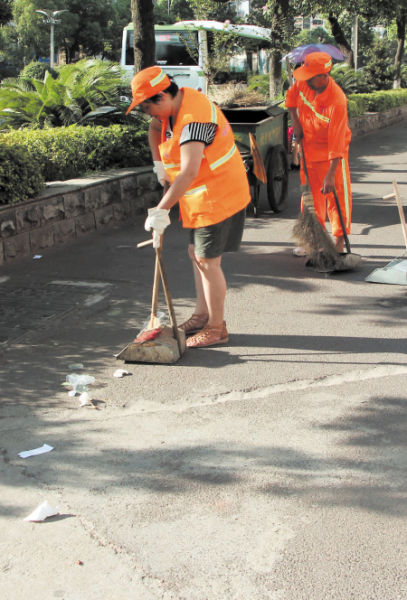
x=67, y=210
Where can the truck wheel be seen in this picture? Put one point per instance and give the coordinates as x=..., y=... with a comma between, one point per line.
x=277, y=178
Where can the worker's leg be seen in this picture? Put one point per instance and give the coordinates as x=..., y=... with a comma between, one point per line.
x=344, y=193
x=209, y=245
x=316, y=175
x=199, y=317
x=213, y=284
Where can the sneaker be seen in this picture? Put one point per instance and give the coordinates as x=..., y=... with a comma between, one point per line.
x=209, y=336
x=298, y=251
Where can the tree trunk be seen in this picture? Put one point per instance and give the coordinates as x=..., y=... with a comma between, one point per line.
x=144, y=41
x=279, y=22
x=275, y=75
x=401, y=36
x=341, y=40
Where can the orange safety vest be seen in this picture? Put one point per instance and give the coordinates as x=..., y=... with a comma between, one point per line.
x=221, y=188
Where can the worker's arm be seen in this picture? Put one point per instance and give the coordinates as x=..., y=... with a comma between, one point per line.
x=191, y=158
x=297, y=129
x=154, y=138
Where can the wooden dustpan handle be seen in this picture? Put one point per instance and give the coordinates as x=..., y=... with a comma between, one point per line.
x=168, y=299
x=156, y=287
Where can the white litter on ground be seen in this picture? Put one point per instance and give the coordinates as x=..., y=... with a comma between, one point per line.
x=42, y=512
x=41, y=450
x=120, y=373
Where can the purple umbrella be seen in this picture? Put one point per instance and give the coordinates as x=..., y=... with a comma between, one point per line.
x=298, y=54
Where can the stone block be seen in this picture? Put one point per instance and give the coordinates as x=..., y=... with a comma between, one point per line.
x=8, y=225
x=103, y=216
x=85, y=224
x=74, y=204
x=110, y=192
x=29, y=216
x=122, y=210
x=64, y=231
x=93, y=198
x=147, y=181
x=128, y=188
x=53, y=210
x=41, y=238
x=17, y=246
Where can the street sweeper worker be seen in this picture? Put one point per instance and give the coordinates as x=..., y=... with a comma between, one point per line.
x=318, y=109
x=195, y=157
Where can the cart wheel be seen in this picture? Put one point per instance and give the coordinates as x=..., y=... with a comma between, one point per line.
x=255, y=197
x=277, y=178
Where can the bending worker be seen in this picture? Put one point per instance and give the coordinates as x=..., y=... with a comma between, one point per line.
x=193, y=149
x=318, y=109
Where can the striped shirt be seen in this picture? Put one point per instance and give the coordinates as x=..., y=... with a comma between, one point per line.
x=198, y=132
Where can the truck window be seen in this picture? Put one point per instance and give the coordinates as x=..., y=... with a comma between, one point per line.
x=176, y=48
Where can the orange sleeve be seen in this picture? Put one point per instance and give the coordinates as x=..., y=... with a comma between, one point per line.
x=339, y=134
x=291, y=98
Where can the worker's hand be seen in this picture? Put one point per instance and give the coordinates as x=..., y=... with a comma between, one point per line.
x=158, y=219
x=297, y=132
x=160, y=172
x=328, y=185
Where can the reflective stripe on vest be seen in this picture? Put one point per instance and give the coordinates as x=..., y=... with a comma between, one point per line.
x=171, y=165
x=214, y=115
x=317, y=114
x=223, y=159
x=200, y=188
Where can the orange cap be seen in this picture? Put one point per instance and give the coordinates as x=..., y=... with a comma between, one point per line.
x=147, y=83
x=316, y=63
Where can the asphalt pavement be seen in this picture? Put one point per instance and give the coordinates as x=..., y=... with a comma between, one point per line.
x=272, y=469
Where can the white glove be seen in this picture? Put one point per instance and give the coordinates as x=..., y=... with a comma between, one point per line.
x=160, y=172
x=158, y=219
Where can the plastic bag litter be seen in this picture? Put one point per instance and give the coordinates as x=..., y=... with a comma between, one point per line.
x=79, y=383
x=42, y=512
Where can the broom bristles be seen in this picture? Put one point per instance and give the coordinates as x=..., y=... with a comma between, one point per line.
x=309, y=233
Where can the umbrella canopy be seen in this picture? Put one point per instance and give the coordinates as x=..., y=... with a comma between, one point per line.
x=298, y=54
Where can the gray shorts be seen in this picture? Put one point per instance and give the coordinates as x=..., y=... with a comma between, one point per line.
x=212, y=241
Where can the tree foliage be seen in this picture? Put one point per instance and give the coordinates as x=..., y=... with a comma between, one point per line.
x=5, y=11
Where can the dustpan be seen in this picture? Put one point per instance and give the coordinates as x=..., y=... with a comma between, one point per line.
x=165, y=345
x=395, y=273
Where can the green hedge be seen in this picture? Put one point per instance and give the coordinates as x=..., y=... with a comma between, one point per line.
x=20, y=174
x=376, y=101
x=67, y=152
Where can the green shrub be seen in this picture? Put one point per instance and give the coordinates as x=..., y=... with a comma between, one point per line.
x=20, y=174
x=37, y=70
x=68, y=152
x=378, y=101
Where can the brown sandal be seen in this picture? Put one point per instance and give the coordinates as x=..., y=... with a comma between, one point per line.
x=194, y=324
x=209, y=336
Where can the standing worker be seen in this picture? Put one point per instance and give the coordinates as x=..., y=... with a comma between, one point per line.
x=193, y=149
x=318, y=109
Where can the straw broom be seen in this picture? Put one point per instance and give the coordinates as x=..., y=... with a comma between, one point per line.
x=309, y=233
